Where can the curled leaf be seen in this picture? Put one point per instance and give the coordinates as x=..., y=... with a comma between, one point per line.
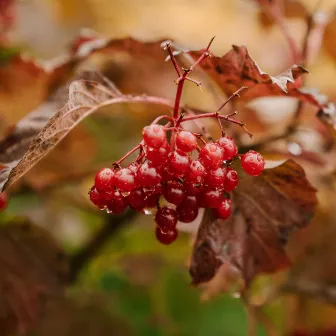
x=267, y=209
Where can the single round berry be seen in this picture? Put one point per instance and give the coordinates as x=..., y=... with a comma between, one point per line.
x=157, y=156
x=211, y=199
x=186, y=215
x=151, y=190
x=166, y=238
x=216, y=177
x=211, y=155
x=124, y=180
x=229, y=147
x=152, y=200
x=95, y=197
x=231, y=179
x=187, y=211
x=3, y=201
x=174, y=192
x=166, y=173
x=136, y=199
x=179, y=162
x=253, y=163
x=196, y=171
x=104, y=179
x=193, y=189
x=147, y=175
x=224, y=209
x=154, y=135
x=166, y=218
x=117, y=204
x=186, y=141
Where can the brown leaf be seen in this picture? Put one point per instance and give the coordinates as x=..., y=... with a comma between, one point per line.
x=267, y=209
x=85, y=98
x=31, y=266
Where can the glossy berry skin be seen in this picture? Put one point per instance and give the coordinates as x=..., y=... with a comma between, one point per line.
x=187, y=211
x=136, y=199
x=196, y=172
x=157, y=189
x=216, y=177
x=229, y=147
x=211, y=199
x=154, y=135
x=186, y=141
x=174, y=192
x=193, y=189
x=151, y=201
x=117, y=204
x=211, y=155
x=166, y=173
x=124, y=180
x=179, y=162
x=166, y=219
x=223, y=210
x=147, y=175
x=95, y=197
x=231, y=179
x=3, y=201
x=157, y=156
x=253, y=163
x=104, y=179
x=166, y=238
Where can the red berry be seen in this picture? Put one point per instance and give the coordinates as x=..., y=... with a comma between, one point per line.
x=117, y=204
x=3, y=201
x=216, y=177
x=196, y=171
x=229, y=146
x=253, y=163
x=193, y=189
x=151, y=201
x=154, y=135
x=231, y=179
x=166, y=238
x=124, y=180
x=133, y=167
x=166, y=173
x=147, y=175
x=157, y=189
x=166, y=218
x=95, y=197
x=187, y=211
x=186, y=141
x=211, y=199
x=224, y=209
x=157, y=156
x=136, y=199
x=179, y=162
x=104, y=179
x=174, y=192
x=211, y=155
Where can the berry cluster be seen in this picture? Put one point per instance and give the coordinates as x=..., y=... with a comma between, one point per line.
x=186, y=175
x=177, y=166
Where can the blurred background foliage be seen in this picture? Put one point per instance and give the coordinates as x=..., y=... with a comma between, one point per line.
x=133, y=285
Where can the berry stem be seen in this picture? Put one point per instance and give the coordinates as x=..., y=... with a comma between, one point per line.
x=184, y=76
x=117, y=163
x=235, y=94
x=217, y=116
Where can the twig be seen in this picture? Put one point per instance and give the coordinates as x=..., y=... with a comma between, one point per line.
x=111, y=226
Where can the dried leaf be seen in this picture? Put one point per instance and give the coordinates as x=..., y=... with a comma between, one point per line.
x=85, y=98
x=267, y=209
x=31, y=266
